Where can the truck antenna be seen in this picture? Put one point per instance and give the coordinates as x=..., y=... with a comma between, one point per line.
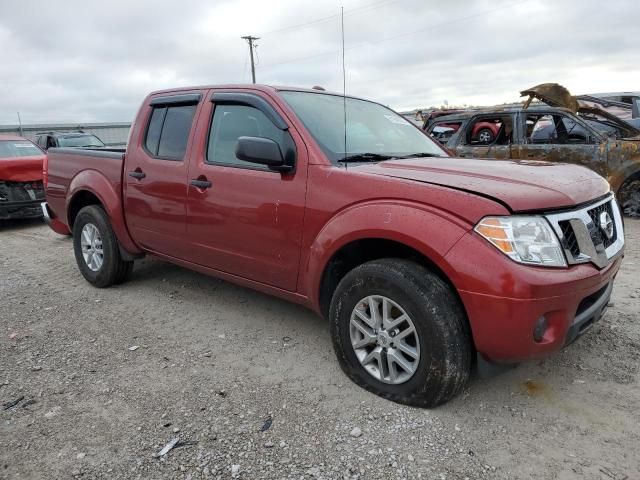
x=344, y=86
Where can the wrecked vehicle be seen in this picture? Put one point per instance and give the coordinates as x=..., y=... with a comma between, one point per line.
x=21, y=191
x=560, y=130
x=77, y=139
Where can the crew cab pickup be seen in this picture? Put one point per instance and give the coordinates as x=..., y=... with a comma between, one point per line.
x=423, y=264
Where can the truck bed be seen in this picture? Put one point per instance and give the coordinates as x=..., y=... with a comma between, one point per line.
x=67, y=164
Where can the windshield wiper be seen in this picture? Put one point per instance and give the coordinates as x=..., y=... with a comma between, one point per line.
x=365, y=157
x=418, y=155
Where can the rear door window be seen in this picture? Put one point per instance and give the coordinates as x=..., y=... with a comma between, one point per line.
x=443, y=131
x=168, y=131
x=489, y=130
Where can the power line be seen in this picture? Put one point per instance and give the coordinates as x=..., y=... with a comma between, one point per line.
x=330, y=17
x=373, y=42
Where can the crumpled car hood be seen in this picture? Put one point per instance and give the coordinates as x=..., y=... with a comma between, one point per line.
x=519, y=185
x=22, y=169
x=553, y=94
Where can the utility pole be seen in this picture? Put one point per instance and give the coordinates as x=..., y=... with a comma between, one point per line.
x=250, y=41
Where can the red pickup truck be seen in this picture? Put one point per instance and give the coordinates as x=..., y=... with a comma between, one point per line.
x=423, y=264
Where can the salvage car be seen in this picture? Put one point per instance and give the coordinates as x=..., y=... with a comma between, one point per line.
x=21, y=191
x=561, y=130
x=46, y=140
x=423, y=264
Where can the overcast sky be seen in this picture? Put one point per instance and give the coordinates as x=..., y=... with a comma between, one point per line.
x=90, y=61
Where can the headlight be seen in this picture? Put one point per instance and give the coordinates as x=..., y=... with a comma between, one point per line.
x=529, y=240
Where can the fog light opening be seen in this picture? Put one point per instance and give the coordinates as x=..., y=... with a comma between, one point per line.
x=539, y=329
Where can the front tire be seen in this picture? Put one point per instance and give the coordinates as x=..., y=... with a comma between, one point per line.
x=400, y=332
x=96, y=249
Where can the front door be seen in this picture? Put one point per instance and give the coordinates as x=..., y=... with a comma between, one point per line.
x=486, y=136
x=243, y=218
x=560, y=137
x=155, y=174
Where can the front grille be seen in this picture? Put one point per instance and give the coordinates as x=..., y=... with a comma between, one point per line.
x=571, y=242
x=589, y=301
x=582, y=234
x=599, y=236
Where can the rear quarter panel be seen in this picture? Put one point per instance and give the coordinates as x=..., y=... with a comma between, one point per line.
x=72, y=171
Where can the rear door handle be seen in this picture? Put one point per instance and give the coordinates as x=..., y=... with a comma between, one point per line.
x=137, y=174
x=201, y=183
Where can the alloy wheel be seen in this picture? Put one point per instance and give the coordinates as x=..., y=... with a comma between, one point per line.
x=384, y=339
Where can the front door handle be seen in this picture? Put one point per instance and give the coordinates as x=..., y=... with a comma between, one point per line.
x=137, y=174
x=201, y=183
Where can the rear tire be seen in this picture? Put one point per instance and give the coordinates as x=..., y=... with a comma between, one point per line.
x=96, y=249
x=442, y=342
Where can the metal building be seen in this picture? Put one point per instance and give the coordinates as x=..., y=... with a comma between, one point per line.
x=113, y=134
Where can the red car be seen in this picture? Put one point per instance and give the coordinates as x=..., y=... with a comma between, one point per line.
x=420, y=262
x=483, y=132
x=21, y=191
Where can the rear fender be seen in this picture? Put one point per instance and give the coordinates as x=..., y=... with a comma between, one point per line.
x=96, y=183
x=429, y=231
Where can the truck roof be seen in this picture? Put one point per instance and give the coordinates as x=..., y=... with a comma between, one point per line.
x=252, y=86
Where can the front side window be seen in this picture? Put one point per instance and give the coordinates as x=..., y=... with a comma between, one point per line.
x=18, y=148
x=555, y=129
x=168, y=131
x=372, y=130
x=231, y=122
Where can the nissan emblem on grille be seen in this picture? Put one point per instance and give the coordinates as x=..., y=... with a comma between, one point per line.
x=593, y=233
x=606, y=224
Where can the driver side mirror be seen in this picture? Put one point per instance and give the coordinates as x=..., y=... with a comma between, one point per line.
x=262, y=151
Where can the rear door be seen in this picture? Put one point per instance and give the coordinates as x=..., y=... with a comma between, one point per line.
x=155, y=173
x=248, y=220
x=487, y=136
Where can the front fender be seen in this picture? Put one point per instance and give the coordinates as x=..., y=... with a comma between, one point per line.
x=425, y=229
x=96, y=183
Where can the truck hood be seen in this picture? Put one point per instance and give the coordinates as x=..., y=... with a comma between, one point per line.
x=518, y=185
x=21, y=169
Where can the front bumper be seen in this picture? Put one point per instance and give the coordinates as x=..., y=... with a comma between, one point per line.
x=504, y=300
x=29, y=209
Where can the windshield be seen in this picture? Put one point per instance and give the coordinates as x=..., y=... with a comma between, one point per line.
x=80, y=141
x=371, y=129
x=18, y=148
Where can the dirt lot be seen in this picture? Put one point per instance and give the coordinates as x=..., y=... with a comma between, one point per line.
x=214, y=362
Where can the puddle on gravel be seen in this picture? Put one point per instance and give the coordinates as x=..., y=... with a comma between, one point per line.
x=536, y=389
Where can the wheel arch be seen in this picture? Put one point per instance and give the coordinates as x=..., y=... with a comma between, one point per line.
x=363, y=250
x=379, y=230
x=90, y=187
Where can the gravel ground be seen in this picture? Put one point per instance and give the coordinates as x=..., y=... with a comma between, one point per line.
x=250, y=387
